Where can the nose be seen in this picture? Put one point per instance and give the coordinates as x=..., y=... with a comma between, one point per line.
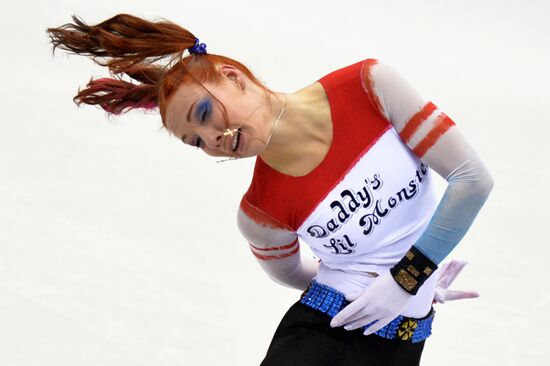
x=212, y=138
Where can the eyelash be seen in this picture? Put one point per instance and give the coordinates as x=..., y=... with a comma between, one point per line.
x=198, y=141
x=203, y=116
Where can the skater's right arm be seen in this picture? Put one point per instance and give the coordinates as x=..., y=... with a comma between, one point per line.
x=276, y=248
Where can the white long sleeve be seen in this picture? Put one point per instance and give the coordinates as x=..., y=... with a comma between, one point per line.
x=434, y=138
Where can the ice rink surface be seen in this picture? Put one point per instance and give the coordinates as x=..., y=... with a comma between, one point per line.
x=119, y=245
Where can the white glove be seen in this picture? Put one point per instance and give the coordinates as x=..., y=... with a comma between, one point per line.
x=447, y=274
x=383, y=300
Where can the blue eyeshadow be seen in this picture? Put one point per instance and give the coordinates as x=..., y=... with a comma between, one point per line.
x=203, y=107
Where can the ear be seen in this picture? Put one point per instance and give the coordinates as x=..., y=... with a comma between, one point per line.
x=234, y=75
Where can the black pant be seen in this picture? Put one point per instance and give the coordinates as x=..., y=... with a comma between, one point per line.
x=305, y=338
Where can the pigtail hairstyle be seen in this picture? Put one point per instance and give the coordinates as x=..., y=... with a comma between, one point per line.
x=122, y=41
x=116, y=96
x=128, y=45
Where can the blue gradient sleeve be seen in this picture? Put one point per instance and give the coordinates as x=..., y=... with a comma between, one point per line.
x=468, y=187
x=438, y=142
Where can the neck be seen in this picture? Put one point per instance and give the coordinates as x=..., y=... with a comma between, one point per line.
x=299, y=131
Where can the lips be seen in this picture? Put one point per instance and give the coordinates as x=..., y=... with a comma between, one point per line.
x=234, y=143
x=240, y=146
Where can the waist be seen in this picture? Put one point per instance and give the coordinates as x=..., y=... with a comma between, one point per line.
x=329, y=301
x=348, y=282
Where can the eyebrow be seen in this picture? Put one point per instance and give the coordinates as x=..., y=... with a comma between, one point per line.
x=190, y=109
x=189, y=117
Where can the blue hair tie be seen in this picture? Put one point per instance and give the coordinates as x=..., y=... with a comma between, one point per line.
x=198, y=48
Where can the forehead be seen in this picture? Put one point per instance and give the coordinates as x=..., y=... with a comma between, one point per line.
x=178, y=106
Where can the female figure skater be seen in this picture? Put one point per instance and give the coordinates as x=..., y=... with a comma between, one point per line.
x=345, y=164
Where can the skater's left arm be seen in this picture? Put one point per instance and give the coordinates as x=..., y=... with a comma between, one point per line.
x=436, y=140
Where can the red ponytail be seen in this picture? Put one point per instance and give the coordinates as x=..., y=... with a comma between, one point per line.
x=117, y=96
x=135, y=47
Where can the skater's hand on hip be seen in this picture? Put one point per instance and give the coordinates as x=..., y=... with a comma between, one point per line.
x=446, y=275
x=382, y=301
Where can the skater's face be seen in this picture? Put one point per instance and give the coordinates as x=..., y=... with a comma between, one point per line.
x=196, y=116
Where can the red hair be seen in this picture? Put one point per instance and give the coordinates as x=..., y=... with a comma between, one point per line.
x=132, y=46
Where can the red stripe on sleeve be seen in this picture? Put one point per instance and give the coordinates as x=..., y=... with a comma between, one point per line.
x=414, y=123
x=441, y=126
x=270, y=257
x=288, y=246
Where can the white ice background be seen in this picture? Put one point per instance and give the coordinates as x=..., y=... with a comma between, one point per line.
x=119, y=245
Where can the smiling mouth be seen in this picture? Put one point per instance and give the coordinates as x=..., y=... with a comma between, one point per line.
x=236, y=140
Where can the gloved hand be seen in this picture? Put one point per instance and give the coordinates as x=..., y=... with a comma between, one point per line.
x=447, y=274
x=383, y=300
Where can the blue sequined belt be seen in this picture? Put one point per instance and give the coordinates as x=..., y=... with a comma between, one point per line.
x=329, y=301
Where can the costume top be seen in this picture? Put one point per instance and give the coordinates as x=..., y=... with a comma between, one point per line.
x=368, y=201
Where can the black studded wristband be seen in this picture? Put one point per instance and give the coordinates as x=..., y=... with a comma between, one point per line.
x=412, y=270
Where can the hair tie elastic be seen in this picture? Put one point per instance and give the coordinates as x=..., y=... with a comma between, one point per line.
x=198, y=48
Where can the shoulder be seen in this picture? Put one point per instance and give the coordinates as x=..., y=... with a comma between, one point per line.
x=267, y=238
x=260, y=228
x=343, y=74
